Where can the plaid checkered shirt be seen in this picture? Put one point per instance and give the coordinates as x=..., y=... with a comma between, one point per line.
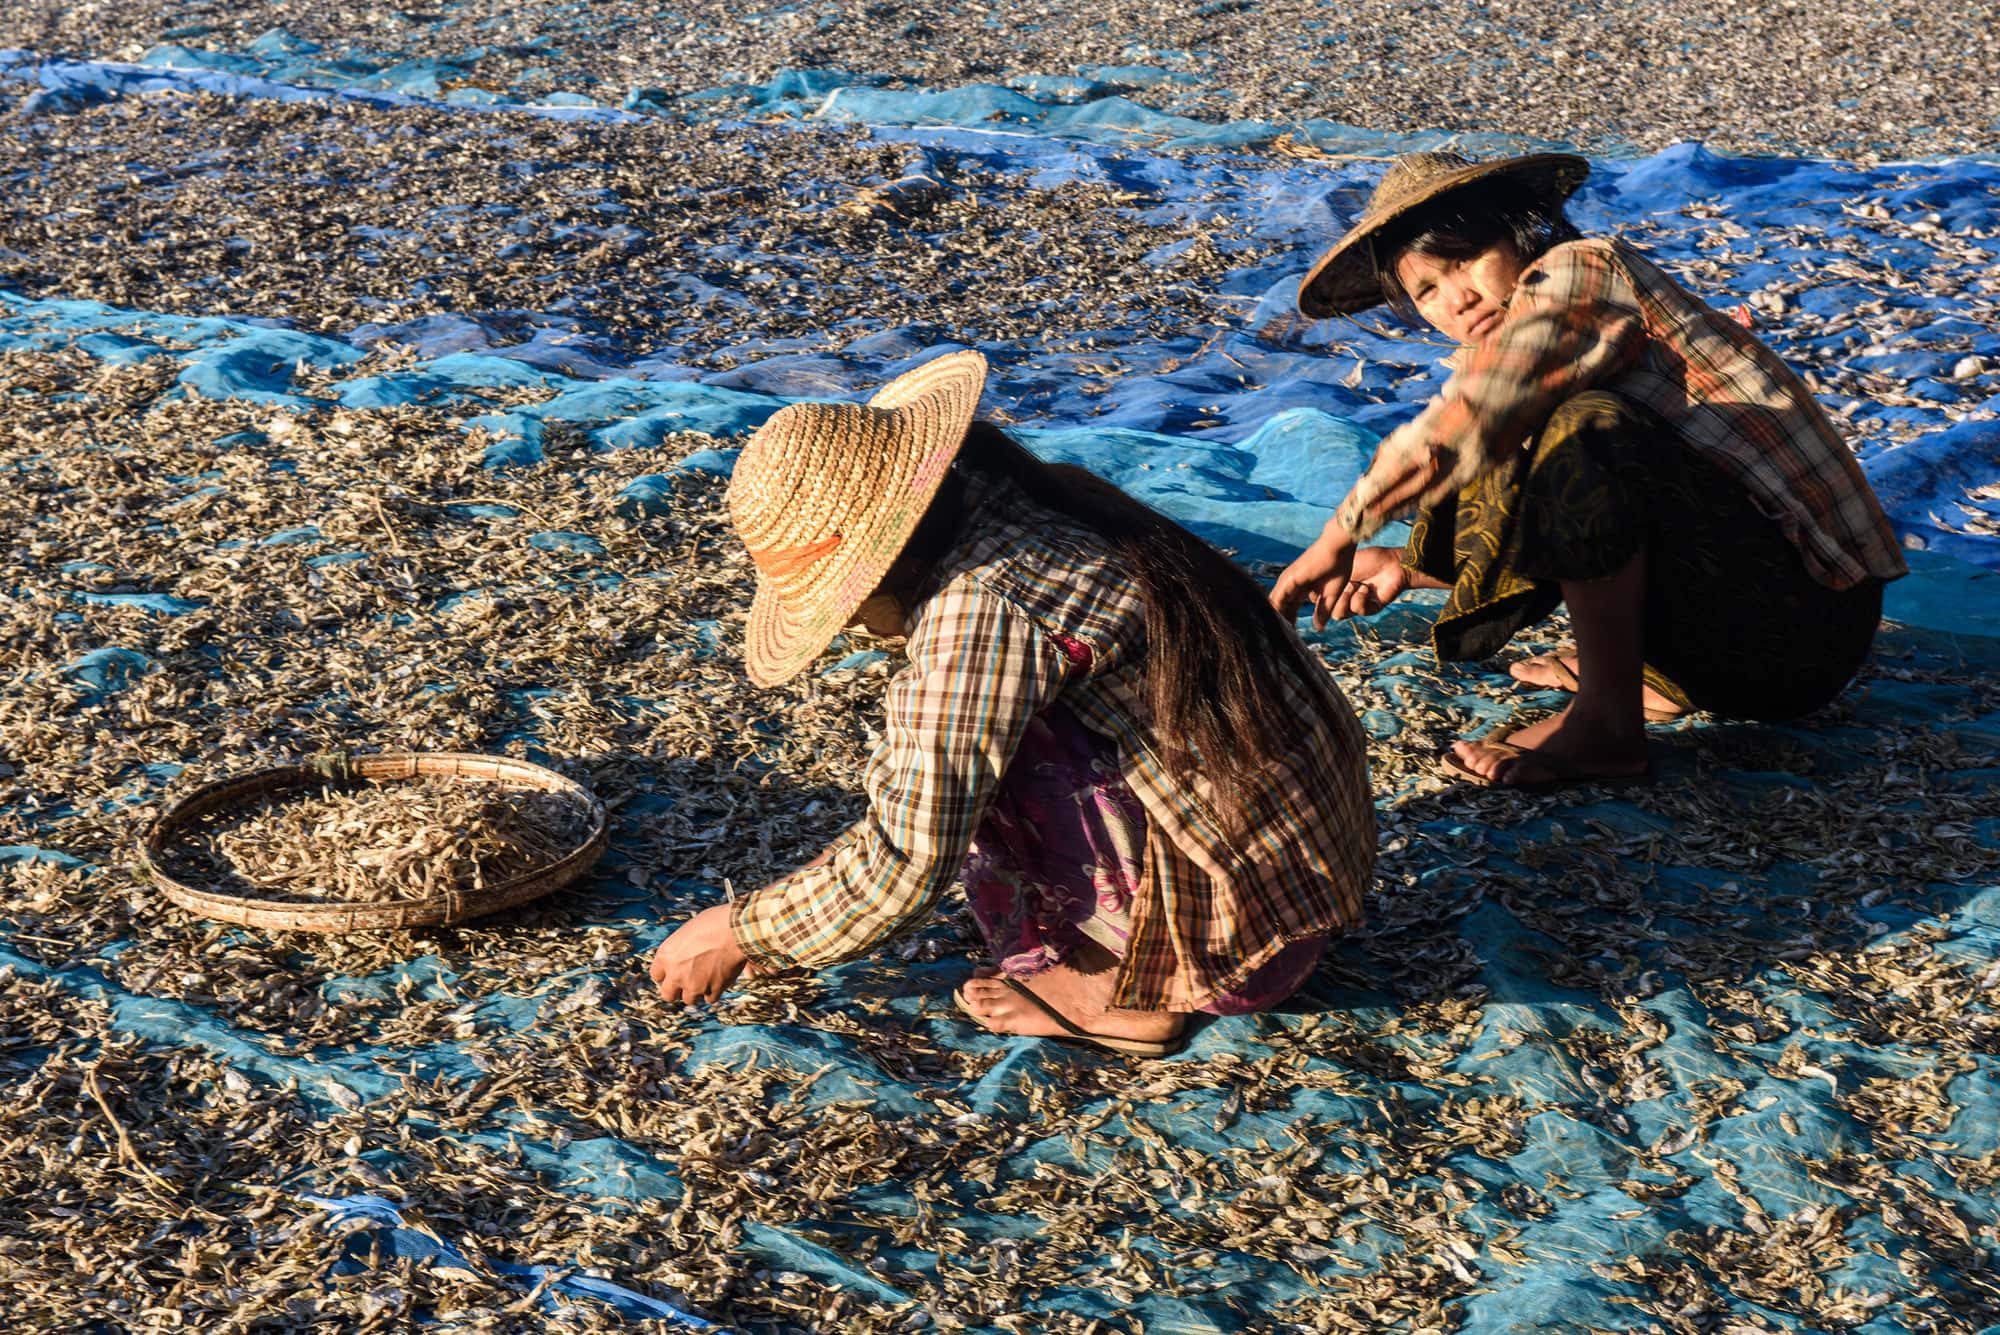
x=1596, y=314
x=984, y=657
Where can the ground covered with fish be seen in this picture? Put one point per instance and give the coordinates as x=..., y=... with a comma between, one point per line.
x=352, y=404
x=1113, y=288
x=1725, y=1047
x=1850, y=77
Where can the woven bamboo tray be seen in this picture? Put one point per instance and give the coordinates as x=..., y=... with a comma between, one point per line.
x=347, y=771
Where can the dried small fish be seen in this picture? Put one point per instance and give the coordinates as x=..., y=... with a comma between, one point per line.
x=352, y=578
x=384, y=841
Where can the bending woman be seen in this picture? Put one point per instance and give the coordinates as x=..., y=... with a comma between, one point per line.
x=1606, y=442
x=1156, y=799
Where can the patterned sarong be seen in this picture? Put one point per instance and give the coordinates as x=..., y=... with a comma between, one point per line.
x=1061, y=854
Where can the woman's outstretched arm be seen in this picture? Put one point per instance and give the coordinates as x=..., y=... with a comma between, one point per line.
x=979, y=670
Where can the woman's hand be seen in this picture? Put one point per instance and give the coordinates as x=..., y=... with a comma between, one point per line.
x=1377, y=580
x=700, y=960
x=1319, y=576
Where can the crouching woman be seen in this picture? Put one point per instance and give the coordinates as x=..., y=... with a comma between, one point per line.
x=1155, y=798
x=1607, y=442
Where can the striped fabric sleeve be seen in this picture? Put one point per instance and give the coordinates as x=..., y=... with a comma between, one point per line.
x=1574, y=321
x=979, y=669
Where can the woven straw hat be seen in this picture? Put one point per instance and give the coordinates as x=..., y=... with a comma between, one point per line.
x=826, y=495
x=1343, y=281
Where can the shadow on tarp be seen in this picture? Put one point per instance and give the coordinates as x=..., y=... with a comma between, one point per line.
x=1259, y=491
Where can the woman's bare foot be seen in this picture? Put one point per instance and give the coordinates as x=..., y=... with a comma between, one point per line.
x=1557, y=672
x=1564, y=747
x=1079, y=990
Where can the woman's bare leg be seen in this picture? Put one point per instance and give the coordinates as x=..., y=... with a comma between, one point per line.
x=1080, y=988
x=1603, y=731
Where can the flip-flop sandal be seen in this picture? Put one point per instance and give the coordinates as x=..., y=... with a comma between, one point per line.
x=1564, y=775
x=1126, y=1047
x=1566, y=680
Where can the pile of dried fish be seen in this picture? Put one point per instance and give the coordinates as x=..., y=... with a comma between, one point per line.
x=383, y=842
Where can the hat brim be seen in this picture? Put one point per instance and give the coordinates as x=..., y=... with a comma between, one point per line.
x=1343, y=280
x=936, y=403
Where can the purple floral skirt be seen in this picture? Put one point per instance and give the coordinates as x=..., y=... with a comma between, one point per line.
x=1061, y=855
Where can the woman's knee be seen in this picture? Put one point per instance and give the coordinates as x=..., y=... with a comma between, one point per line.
x=1594, y=442
x=1583, y=498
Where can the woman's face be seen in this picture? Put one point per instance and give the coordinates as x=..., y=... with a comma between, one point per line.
x=1465, y=299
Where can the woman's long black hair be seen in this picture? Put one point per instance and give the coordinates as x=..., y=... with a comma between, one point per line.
x=1462, y=224
x=1216, y=651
